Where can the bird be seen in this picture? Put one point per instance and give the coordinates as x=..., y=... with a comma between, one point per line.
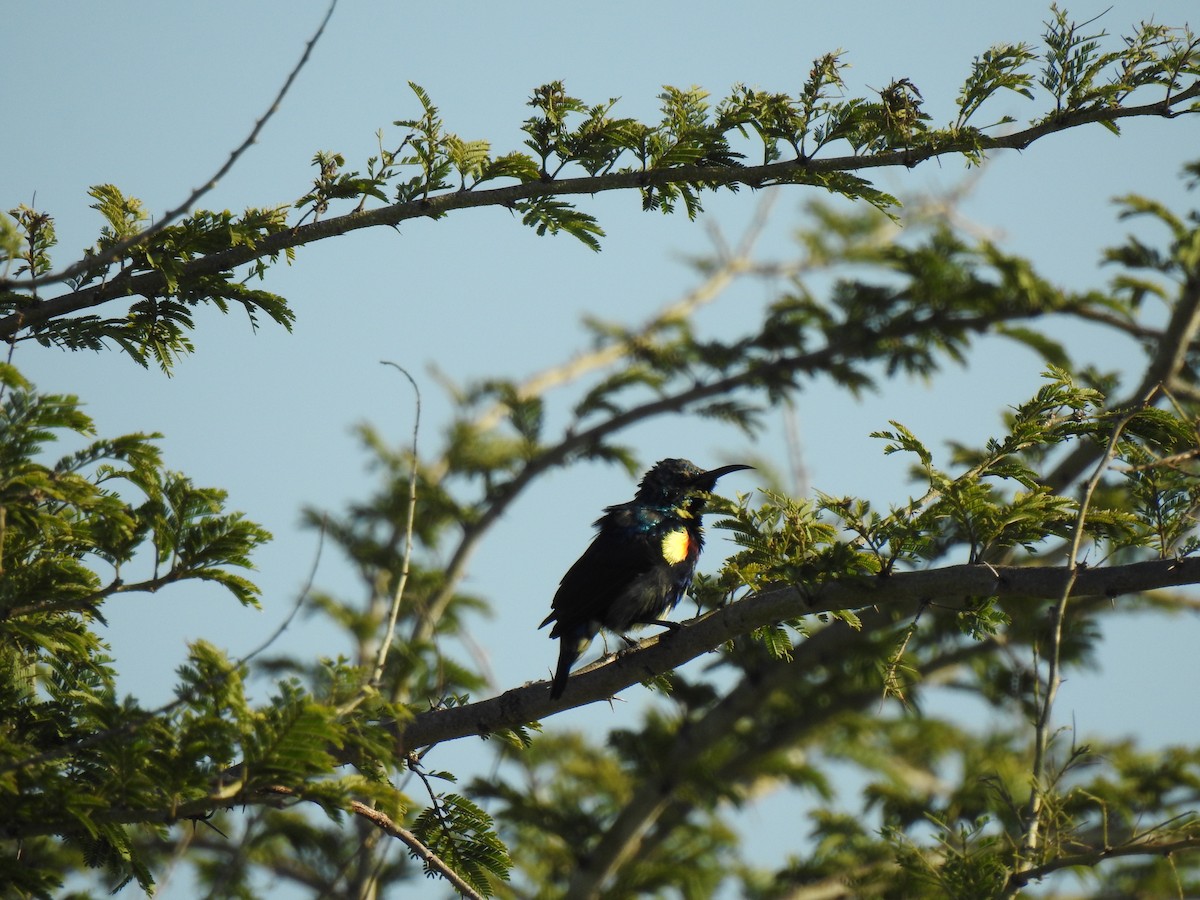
x=639, y=564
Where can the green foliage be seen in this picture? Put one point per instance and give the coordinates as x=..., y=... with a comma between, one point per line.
x=71, y=530
x=125, y=215
x=995, y=505
x=60, y=520
x=1002, y=67
x=461, y=834
x=1078, y=75
x=10, y=240
x=813, y=686
x=967, y=862
x=332, y=183
x=537, y=804
x=772, y=701
x=28, y=239
x=552, y=216
x=157, y=327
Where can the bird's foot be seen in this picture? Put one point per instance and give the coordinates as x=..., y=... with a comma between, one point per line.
x=665, y=623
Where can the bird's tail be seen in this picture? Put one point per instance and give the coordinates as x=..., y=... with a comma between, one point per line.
x=570, y=648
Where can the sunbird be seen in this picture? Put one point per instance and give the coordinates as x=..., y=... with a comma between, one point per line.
x=638, y=566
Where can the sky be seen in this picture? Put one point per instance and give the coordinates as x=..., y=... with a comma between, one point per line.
x=153, y=97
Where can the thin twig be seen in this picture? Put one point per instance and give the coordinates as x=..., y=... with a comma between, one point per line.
x=402, y=581
x=389, y=826
x=1053, y=675
x=414, y=766
x=386, y=824
x=100, y=260
x=300, y=598
x=372, y=685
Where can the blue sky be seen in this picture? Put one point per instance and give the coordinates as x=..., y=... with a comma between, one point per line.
x=153, y=96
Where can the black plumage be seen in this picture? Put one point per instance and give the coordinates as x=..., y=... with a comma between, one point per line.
x=639, y=565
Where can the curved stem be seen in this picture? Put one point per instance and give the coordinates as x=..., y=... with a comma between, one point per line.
x=402, y=581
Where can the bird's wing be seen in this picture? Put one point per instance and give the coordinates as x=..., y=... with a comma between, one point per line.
x=618, y=555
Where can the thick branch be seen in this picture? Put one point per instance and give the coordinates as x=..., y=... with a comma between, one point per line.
x=902, y=592
x=797, y=171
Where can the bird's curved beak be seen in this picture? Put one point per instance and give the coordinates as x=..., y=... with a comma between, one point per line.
x=706, y=481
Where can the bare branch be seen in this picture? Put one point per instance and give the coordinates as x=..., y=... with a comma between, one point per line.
x=296, y=606
x=402, y=579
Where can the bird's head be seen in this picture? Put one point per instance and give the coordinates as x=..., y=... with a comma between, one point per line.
x=680, y=483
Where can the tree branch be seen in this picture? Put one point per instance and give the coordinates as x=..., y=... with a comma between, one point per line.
x=402, y=578
x=1095, y=855
x=418, y=850
x=272, y=795
x=1041, y=724
x=811, y=171
x=901, y=593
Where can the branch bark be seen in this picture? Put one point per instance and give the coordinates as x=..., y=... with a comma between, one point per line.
x=1093, y=856
x=901, y=592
